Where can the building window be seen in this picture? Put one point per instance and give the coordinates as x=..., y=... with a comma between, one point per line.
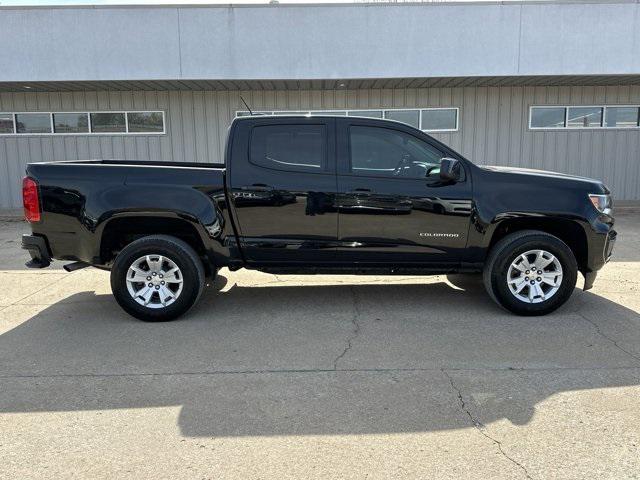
x=439, y=119
x=322, y=112
x=622, y=117
x=426, y=119
x=145, y=122
x=291, y=113
x=547, y=117
x=410, y=117
x=108, y=123
x=6, y=123
x=71, y=123
x=584, y=117
x=33, y=123
x=366, y=113
x=581, y=117
x=82, y=123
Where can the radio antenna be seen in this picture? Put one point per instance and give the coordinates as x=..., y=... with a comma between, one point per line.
x=245, y=104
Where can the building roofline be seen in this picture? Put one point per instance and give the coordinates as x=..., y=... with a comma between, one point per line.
x=316, y=5
x=343, y=84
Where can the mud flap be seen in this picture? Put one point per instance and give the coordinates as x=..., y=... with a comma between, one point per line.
x=589, y=278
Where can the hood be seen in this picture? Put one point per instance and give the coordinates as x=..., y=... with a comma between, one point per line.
x=537, y=173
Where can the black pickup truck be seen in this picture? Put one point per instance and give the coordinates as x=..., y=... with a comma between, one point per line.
x=327, y=195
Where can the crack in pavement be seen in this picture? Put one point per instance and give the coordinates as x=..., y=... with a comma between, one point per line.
x=605, y=336
x=481, y=427
x=356, y=328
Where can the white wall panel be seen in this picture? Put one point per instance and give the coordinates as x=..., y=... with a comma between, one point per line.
x=319, y=42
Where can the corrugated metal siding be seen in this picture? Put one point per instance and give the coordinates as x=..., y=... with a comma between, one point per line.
x=493, y=128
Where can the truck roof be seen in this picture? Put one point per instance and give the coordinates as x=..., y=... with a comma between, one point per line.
x=298, y=116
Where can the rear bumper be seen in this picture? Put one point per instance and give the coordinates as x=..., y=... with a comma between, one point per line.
x=37, y=248
x=609, y=244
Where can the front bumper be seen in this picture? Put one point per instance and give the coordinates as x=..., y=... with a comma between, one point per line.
x=37, y=248
x=601, y=258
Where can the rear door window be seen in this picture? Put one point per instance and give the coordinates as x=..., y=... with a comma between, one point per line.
x=296, y=148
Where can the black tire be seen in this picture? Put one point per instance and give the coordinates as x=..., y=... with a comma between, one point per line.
x=180, y=253
x=507, y=250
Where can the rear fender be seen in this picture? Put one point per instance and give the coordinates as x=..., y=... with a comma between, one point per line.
x=205, y=211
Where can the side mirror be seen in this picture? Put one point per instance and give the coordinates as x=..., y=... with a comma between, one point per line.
x=450, y=170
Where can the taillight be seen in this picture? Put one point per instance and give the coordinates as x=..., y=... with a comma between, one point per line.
x=30, y=199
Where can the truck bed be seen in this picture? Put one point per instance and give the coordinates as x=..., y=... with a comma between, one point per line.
x=80, y=198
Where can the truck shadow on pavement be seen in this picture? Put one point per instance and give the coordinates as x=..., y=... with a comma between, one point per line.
x=277, y=359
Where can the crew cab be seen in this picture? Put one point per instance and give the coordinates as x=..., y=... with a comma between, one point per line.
x=332, y=195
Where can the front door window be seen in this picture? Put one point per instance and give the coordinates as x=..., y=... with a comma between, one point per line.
x=383, y=152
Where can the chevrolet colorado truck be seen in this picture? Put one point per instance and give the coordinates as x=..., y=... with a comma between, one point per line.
x=331, y=195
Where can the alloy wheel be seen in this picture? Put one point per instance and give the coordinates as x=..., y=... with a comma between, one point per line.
x=154, y=281
x=534, y=276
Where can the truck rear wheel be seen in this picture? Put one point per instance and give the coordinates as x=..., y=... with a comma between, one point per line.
x=157, y=278
x=530, y=273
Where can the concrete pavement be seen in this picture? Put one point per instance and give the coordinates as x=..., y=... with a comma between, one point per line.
x=318, y=377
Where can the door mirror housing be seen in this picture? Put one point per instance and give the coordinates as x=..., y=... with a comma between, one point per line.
x=450, y=170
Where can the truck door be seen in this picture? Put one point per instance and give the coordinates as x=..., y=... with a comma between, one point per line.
x=283, y=188
x=393, y=208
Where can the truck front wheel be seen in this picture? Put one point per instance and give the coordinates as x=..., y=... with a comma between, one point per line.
x=157, y=278
x=530, y=272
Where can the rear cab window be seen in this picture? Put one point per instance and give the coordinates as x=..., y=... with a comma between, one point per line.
x=294, y=148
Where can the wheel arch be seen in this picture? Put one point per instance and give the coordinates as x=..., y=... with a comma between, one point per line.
x=120, y=230
x=569, y=231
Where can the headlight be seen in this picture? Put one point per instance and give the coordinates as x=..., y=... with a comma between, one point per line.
x=602, y=203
